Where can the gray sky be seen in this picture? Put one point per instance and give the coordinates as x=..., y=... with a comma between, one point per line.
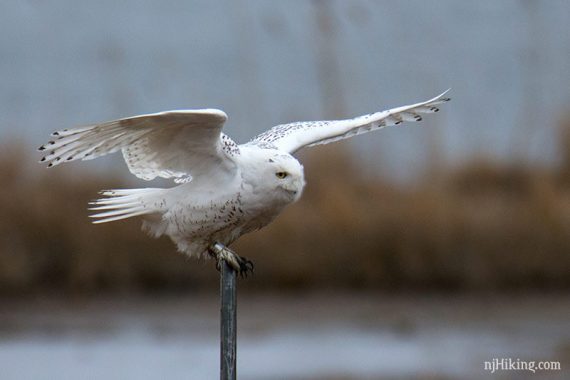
x=65, y=63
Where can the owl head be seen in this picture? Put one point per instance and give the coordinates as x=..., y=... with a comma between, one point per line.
x=287, y=173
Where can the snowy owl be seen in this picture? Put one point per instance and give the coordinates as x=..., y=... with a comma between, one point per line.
x=224, y=190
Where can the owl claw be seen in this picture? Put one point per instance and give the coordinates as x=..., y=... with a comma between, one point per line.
x=241, y=265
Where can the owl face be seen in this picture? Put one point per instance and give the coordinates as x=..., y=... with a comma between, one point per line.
x=287, y=174
x=271, y=171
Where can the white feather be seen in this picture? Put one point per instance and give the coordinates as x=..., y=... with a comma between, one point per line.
x=223, y=190
x=292, y=137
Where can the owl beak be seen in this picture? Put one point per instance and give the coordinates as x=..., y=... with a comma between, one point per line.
x=290, y=189
x=298, y=188
x=294, y=188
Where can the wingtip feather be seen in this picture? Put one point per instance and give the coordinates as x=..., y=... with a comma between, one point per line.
x=443, y=97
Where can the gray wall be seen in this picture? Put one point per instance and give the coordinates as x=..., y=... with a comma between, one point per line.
x=64, y=63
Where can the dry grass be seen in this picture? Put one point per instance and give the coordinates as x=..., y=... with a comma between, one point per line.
x=483, y=225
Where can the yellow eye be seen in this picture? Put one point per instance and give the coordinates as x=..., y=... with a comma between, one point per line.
x=281, y=175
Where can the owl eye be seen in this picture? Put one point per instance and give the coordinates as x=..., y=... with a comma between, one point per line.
x=281, y=175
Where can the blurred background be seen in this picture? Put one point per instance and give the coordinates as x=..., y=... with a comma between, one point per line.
x=419, y=251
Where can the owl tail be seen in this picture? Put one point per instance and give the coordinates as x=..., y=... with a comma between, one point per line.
x=125, y=203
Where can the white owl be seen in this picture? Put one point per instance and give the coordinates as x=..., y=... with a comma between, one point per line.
x=224, y=190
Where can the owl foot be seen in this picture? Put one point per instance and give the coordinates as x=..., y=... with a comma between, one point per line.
x=240, y=264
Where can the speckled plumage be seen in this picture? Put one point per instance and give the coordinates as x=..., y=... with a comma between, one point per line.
x=224, y=190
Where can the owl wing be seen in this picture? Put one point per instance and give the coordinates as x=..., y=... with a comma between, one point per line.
x=172, y=144
x=294, y=136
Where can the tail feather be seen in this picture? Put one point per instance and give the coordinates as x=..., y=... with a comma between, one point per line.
x=111, y=206
x=126, y=203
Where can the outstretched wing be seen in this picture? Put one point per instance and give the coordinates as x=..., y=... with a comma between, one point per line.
x=294, y=136
x=170, y=144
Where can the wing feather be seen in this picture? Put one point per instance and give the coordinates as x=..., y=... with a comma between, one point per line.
x=168, y=144
x=294, y=136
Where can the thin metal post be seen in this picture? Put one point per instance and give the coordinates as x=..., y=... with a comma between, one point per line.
x=228, y=319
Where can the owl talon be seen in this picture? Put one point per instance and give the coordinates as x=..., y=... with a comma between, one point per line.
x=241, y=265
